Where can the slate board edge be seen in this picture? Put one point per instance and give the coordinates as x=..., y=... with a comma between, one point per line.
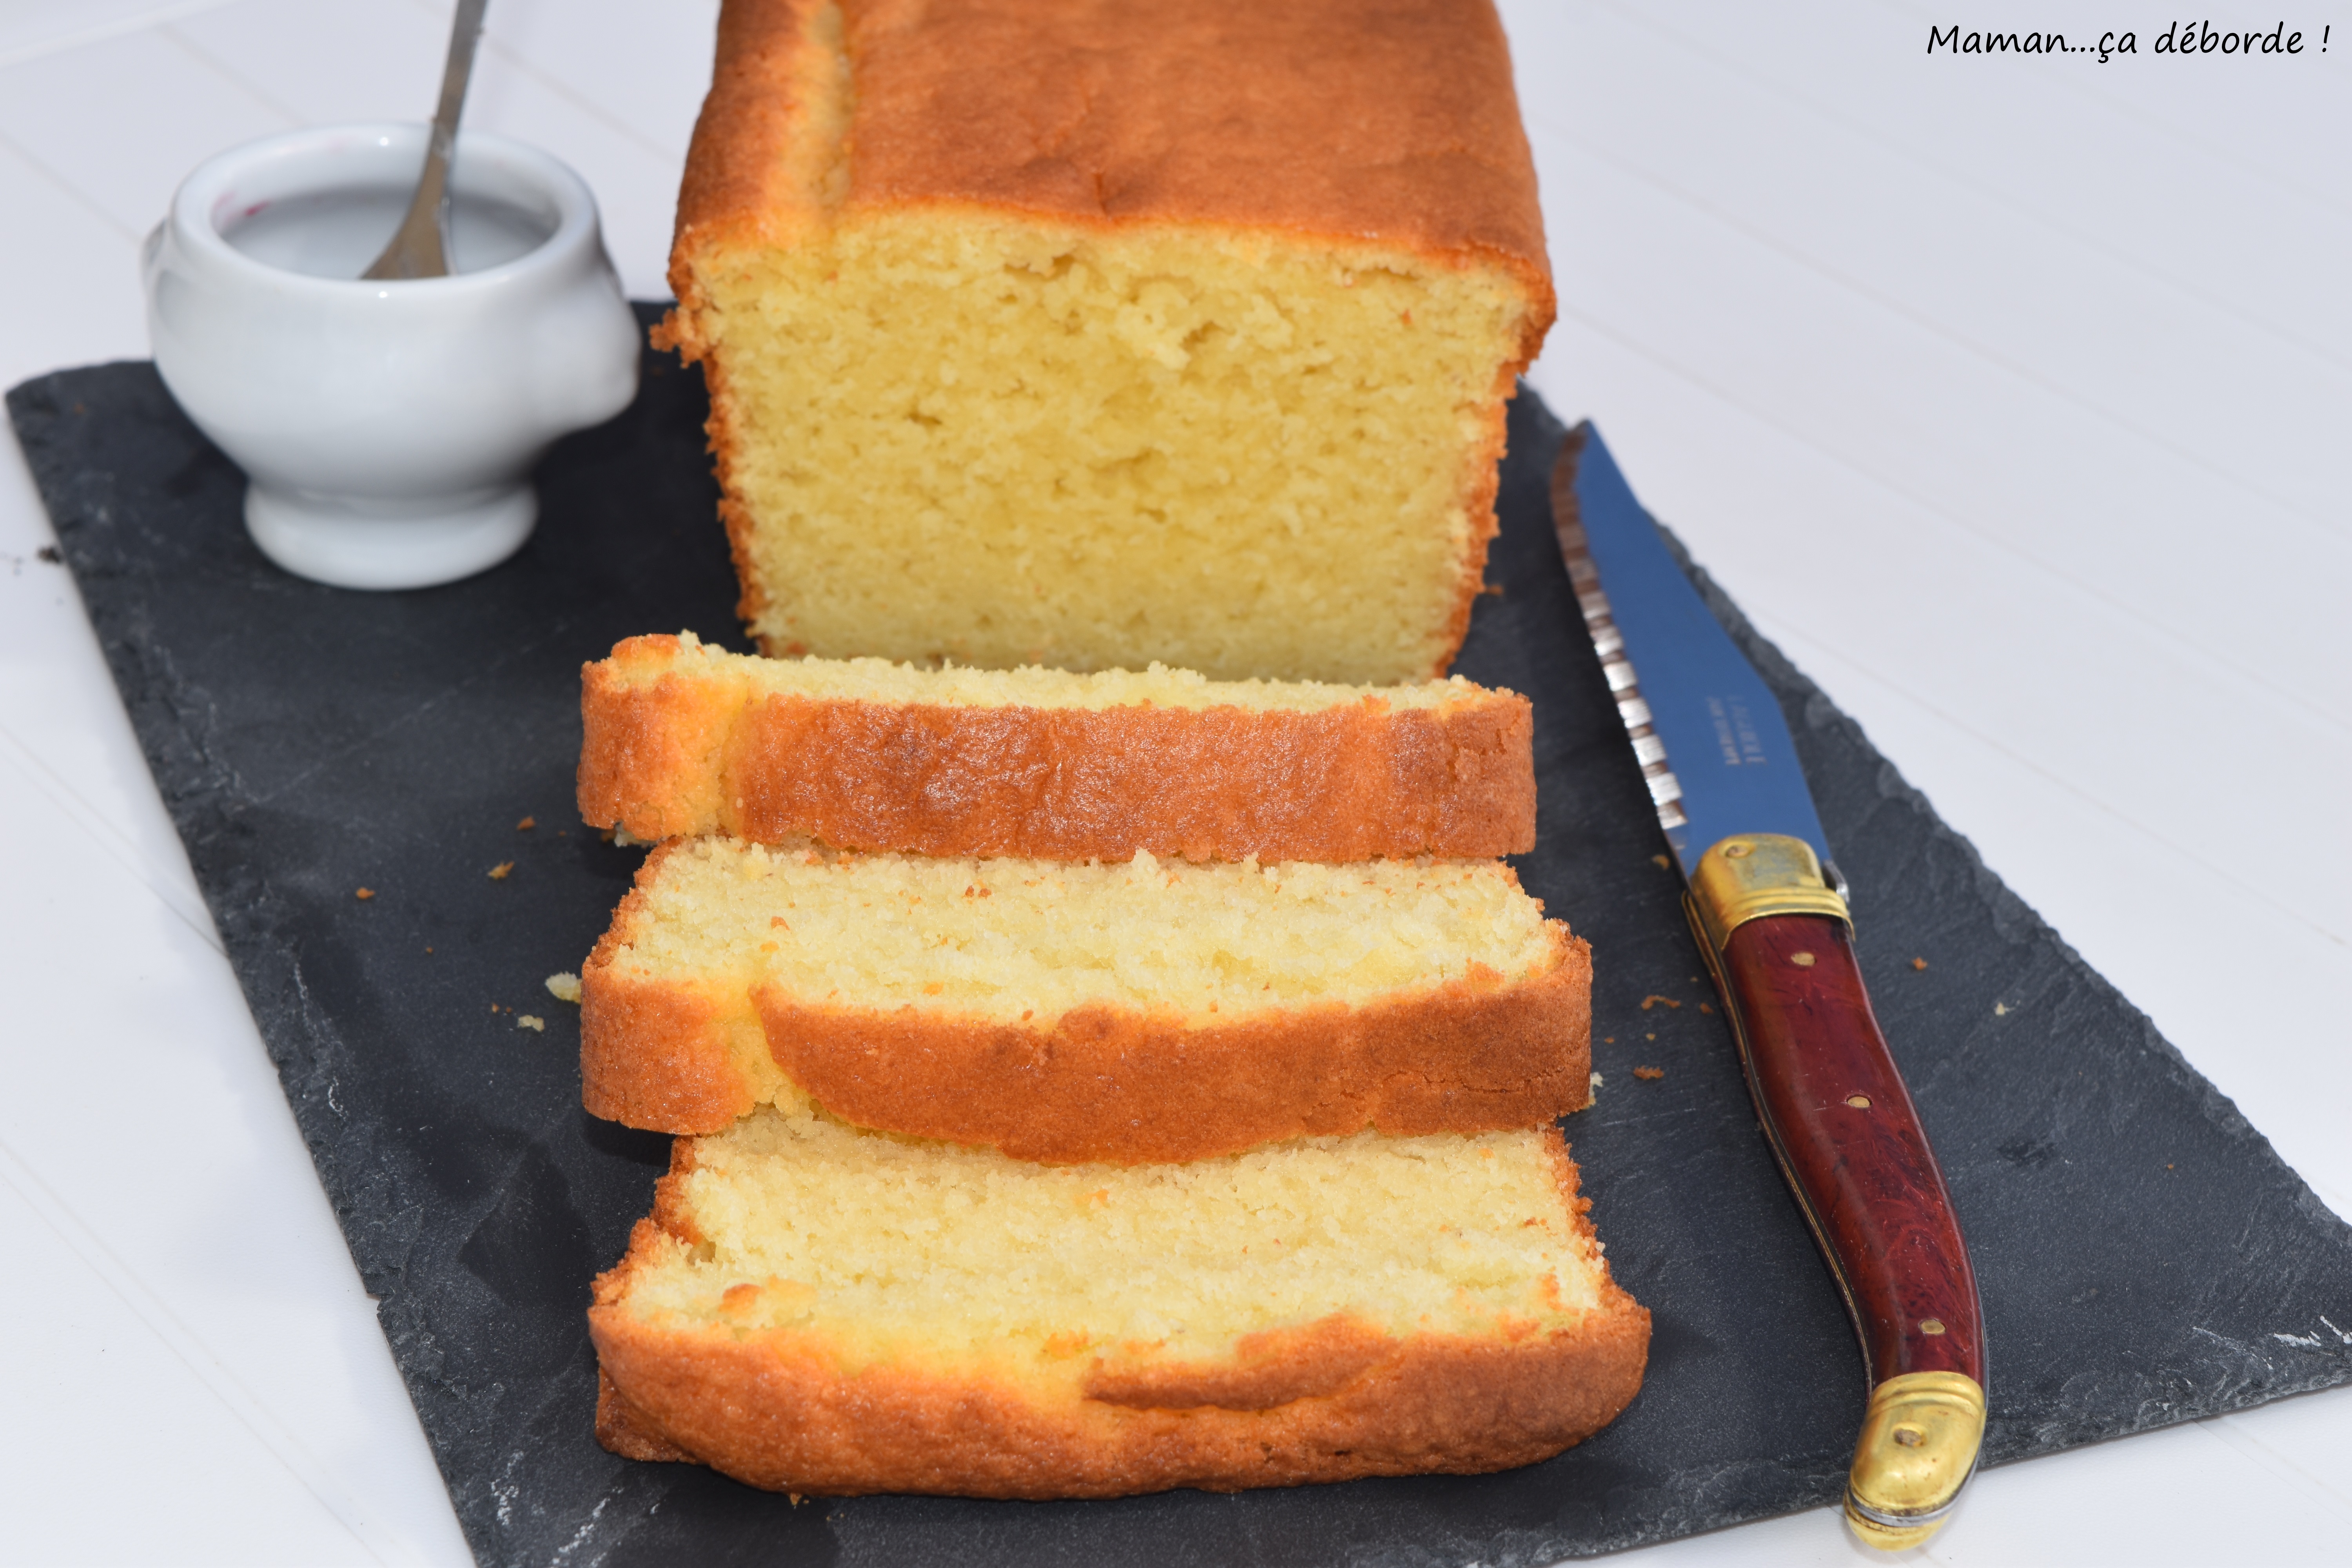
x=166, y=714
x=1809, y=709
x=169, y=718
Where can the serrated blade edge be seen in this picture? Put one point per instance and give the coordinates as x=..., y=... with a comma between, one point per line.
x=1600, y=626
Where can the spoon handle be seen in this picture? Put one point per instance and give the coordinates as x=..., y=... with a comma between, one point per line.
x=418, y=248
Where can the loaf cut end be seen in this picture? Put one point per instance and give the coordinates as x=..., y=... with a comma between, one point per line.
x=1178, y=379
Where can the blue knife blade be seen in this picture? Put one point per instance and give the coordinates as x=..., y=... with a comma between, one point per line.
x=1725, y=762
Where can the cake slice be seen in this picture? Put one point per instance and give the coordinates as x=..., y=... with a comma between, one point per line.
x=1137, y=1011
x=817, y=1308
x=1042, y=332
x=685, y=739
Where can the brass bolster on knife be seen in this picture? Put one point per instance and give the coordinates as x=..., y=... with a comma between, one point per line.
x=1751, y=875
x=1919, y=1444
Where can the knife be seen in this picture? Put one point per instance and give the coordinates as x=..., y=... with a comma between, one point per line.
x=1768, y=909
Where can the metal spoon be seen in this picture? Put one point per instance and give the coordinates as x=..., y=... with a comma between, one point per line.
x=419, y=247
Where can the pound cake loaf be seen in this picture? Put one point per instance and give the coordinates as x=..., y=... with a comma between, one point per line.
x=816, y=1309
x=1138, y=1010
x=1092, y=334
x=685, y=739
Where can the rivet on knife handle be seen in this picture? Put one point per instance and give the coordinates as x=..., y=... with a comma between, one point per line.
x=1850, y=1142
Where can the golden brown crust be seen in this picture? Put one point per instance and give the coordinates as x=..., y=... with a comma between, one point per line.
x=1395, y=122
x=655, y=1056
x=735, y=176
x=1483, y=483
x=1101, y=1083
x=1125, y=1087
x=631, y=1435
x=1324, y=1402
x=1275, y=1367
x=773, y=1410
x=652, y=758
x=689, y=753
x=737, y=183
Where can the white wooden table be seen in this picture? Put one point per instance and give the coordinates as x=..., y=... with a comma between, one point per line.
x=2012, y=397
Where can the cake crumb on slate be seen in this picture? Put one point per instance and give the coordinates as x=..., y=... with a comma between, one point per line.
x=498, y=872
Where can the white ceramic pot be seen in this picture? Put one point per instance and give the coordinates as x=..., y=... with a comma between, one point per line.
x=388, y=428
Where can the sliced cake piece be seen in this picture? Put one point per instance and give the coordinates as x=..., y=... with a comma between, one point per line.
x=683, y=738
x=1143, y=1010
x=817, y=1308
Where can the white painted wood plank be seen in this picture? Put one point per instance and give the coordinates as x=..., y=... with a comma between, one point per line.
x=334, y=60
x=2076, y=155
x=61, y=726
x=2154, y=360
x=2278, y=119
x=2299, y=1439
x=2112, y=1503
x=2123, y=1503
x=83, y=278
x=76, y=763
x=32, y=28
x=651, y=85
x=94, y=1390
x=2128, y=522
x=636, y=185
x=121, y=120
x=1816, y=522
x=147, y=1128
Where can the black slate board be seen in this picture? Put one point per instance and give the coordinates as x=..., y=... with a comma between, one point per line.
x=2144, y=1256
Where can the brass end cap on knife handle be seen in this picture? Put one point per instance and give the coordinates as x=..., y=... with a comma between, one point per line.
x=1750, y=875
x=1919, y=1439
x=1918, y=1446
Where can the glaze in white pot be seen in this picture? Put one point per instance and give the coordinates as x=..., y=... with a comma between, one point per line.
x=388, y=428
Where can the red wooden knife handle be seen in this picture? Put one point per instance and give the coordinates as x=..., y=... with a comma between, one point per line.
x=1850, y=1144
